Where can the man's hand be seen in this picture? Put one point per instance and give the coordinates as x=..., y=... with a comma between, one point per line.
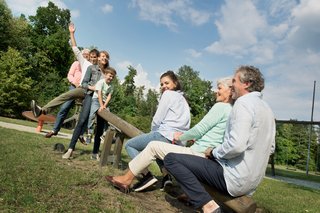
x=208, y=153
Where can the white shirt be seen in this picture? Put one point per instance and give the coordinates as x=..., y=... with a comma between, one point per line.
x=248, y=142
x=84, y=63
x=172, y=115
x=106, y=89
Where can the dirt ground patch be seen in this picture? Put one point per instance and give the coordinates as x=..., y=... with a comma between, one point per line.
x=152, y=200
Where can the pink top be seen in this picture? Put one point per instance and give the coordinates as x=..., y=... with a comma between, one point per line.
x=74, y=74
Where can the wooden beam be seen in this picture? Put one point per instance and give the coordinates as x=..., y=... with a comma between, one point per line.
x=243, y=204
x=125, y=127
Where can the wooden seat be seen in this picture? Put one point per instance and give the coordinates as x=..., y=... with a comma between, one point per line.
x=242, y=204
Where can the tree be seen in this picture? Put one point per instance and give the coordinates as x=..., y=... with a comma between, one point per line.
x=5, y=25
x=129, y=102
x=198, y=92
x=15, y=86
x=49, y=28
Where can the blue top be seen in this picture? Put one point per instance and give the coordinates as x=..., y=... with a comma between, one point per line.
x=172, y=115
x=92, y=76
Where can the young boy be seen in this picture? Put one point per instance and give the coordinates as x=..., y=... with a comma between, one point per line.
x=101, y=98
x=104, y=90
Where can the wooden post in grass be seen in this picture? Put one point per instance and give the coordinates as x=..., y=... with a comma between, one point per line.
x=118, y=128
x=106, y=148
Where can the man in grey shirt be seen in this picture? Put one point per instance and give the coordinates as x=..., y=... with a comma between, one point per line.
x=238, y=165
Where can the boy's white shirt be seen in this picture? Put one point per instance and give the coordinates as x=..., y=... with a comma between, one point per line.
x=99, y=86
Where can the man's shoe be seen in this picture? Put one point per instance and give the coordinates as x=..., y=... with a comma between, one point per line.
x=166, y=183
x=81, y=139
x=50, y=134
x=146, y=181
x=36, y=110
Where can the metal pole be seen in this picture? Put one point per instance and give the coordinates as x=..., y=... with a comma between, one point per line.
x=311, y=125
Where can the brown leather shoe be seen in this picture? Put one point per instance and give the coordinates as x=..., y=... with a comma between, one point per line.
x=82, y=140
x=50, y=134
x=122, y=187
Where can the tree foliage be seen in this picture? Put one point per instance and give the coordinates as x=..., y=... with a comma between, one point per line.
x=15, y=86
x=292, y=146
x=197, y=91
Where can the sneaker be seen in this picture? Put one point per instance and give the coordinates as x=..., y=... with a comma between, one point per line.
x=36, y=110
x=88, y=139
x=146, y=181
x=166, y=183
x=68, y=154
x=50, y=134
x=95, y=157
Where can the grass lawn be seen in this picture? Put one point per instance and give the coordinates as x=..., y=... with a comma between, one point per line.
x=34, y=178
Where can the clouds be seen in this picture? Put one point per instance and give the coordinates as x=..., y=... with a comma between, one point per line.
x=107, y=8
x=283, y=40
x=167, y=12
x=142, y=77
x=305, y=32
x=278, y=36
x=239, y=26
x=29, y=7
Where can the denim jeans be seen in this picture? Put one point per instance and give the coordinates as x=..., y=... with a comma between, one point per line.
x=62, y=114
x=93, y=110
x=83, y=121
x=135, y=145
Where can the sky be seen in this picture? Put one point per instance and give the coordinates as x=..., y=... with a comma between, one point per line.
x=214, y=37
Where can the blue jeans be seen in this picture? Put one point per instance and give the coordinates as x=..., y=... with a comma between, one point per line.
x=190, y=171
x=135, y=145
x=62, y=114
x=83, y=121
x=93, y=110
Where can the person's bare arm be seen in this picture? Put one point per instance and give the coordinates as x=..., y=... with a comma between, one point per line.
x=72, y=30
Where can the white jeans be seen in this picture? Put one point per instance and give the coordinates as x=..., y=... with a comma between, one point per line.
x=157, y=149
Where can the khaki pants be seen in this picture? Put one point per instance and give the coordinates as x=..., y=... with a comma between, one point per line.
x=70, y=95
x=157, y=149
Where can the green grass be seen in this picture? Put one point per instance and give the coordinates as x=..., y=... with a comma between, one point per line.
x=34, y=178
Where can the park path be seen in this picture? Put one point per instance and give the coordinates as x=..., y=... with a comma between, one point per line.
x=309, y=184
x=32, y=129
x=305, y=183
